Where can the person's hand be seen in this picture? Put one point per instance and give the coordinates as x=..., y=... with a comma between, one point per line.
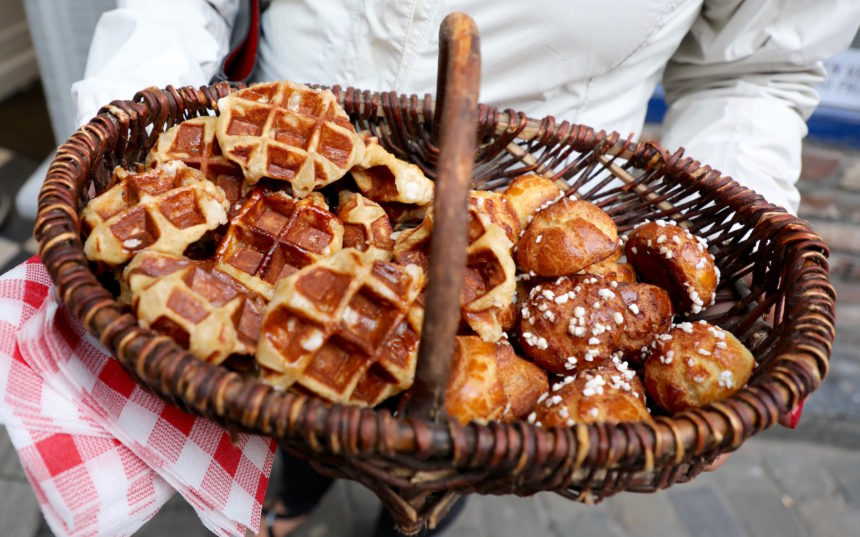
x=719, y=461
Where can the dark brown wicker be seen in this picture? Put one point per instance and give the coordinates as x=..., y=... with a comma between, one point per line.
x=784, y=313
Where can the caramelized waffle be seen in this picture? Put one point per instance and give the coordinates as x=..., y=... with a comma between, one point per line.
x=164, y=209
x=288, y=132
x=383, y=177
x=193, y=142
x=489, y=284
x=202, y=308
x=274, y=235
x=345, y=328
x=365, y=225
x=404, y=215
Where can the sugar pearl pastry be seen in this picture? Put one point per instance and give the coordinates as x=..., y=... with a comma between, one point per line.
x=648, y=312
x=612, y=269
x=528, y=193
x=566, y=237
x=572, y=323
x=611, y=393
x=695, y=364
x=671, y=257
x=489, y=382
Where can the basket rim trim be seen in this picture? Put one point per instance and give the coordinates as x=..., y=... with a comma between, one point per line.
x=55, y=226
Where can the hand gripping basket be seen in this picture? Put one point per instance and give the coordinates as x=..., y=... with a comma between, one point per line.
x=775, y=297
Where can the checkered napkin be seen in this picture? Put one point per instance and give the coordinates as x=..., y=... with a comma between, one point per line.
x=101, y=454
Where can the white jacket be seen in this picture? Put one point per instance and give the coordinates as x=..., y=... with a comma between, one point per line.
x=738, y=75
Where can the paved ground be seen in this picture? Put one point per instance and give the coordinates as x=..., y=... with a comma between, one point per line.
x=781, y=483
x=770, y=487
x=777, y=484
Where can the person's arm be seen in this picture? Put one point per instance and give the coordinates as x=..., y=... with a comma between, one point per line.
x=153, y=43
x=741, y=86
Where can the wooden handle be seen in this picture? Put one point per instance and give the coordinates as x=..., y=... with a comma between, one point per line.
x=455, y=124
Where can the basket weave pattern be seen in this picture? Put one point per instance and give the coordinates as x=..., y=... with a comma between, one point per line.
x=785, y=316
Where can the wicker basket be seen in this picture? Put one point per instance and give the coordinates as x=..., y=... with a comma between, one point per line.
x=419, y=462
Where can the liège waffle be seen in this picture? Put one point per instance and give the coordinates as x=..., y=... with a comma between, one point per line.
x=288, y=132
x=346, y=328
x=273, y=235
x=210, y=313
x=489, y=283
x=365, y=225
x=383, y=177
x=164, y=209
x=194, y=143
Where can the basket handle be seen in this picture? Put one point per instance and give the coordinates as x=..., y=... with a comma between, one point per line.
x=455, y=125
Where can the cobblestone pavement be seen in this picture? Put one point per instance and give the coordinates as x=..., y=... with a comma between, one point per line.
x=780, y=483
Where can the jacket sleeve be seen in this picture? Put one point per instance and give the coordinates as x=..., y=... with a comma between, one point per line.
x=147, y=43
x=741, y=86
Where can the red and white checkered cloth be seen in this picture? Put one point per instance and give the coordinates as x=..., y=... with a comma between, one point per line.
x=101, y=454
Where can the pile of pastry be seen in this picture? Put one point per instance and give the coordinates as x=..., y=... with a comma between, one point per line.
x=276, y=240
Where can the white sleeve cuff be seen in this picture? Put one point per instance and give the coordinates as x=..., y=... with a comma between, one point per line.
x=756, y=141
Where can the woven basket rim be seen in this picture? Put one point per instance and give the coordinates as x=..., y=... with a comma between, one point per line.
x=695, y=435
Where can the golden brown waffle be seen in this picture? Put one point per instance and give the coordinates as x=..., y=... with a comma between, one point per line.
x=193, y=142
x=274, y=235
x=164, y=209
x=383, y=177
x=365, y=225
x=489, y=285
x=490, y=208
x=199, y=306
x=288, y=132
x=345, y=328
